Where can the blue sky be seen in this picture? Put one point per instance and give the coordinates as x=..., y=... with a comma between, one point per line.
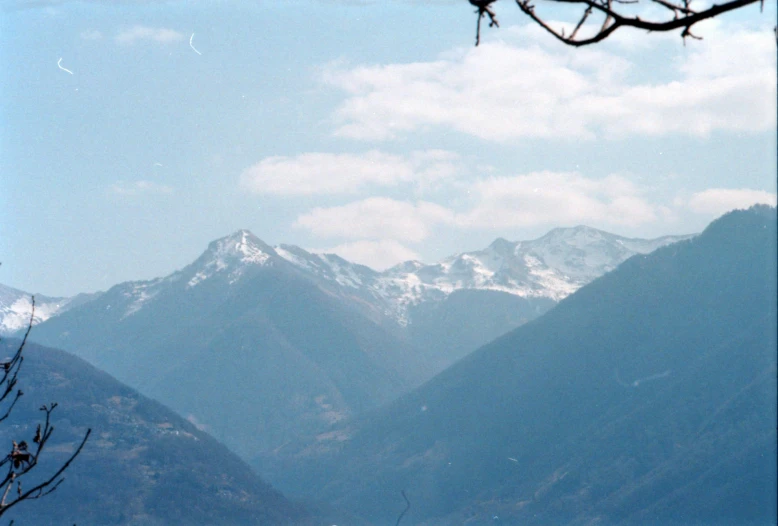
x=371, y=129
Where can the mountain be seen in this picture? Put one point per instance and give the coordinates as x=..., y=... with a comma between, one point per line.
x=467, y=300
x=446, y=309
x=552, y=267
x=243, y=344
x=648, y=396
x=304, y=340
x=143, y=464
x=15, y=307
x=452, y=307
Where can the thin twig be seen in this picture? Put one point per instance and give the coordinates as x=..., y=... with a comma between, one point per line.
x=483, y=8
x=37, y=491
x=22, y=459
x=407, y=507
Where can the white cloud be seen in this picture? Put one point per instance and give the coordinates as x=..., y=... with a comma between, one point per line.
x=528, y=200
x=155, y=34
x=502, y=91
x=728, y=82
x=328, y=173
x=717, y=201
x=376, y=218
x=557, y=198
x=378, y=255
x=140, y=187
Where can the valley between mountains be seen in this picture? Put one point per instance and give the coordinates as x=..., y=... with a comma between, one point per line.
x=258, y=344
x=579, y=378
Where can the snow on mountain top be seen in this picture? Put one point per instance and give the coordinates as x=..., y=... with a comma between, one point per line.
x=242, y=246
x=139, y=293
x=552, y=266
x=233, y=254
x=16, y=307
x=405, y=267
x=330, y=267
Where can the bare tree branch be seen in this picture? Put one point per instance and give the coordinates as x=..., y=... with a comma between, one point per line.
x=11, y=370
x=22, y=459
x=50, y=484
x=680, y=16
x=483, y=8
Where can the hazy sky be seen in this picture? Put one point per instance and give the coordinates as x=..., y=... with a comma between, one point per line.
x=371, y=129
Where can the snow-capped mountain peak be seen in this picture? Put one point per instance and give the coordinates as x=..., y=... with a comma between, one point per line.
x=242, y=246
x=231, y=254
x=552, y=266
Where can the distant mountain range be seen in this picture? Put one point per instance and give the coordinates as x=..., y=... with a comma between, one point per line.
x=253, y=353
x=143, y=464
x=300, y=341
x=16, y=305
x=552, y=267
x=646, y=397
x=447, y=309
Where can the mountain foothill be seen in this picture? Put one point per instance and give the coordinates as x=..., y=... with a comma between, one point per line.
x=647, y=397
x=579, y=378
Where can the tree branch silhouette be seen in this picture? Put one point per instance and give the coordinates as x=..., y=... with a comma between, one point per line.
x=23, y=458
x=407, y=507
x=615, y=14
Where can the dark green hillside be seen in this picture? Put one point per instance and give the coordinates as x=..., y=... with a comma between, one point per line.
x=649, y=396
x=143, y=465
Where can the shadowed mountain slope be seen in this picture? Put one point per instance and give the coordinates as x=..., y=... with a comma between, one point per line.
x=647, y=396
x=445, y=310
x=242, y=344
x=143, y=463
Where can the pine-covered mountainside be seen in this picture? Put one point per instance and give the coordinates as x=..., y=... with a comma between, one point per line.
x=647, y=397
x=143, y=464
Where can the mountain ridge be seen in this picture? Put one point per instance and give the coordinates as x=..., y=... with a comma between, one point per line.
x=314, y=338
x=551, y=266
x=307, y=357
x=16, y=305
x=647, y=385
x=143, y=464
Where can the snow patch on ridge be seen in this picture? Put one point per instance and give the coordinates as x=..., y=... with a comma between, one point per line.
x=16, y=306
x=553, y=266
x=16, y=316
x=140, y=294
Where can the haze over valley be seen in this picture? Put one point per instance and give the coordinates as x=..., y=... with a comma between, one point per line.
x=321, y=373
x=374, y=263
x=313, y=338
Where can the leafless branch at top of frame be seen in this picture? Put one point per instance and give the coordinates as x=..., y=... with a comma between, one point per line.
x=680, y=14
x=484, y=8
